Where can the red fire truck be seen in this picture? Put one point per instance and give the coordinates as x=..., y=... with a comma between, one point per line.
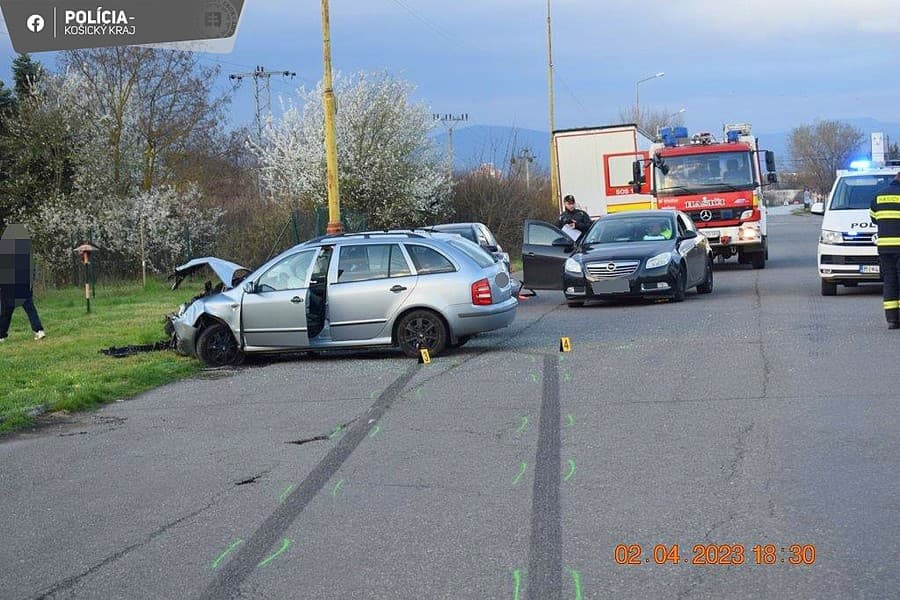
x=717, y=183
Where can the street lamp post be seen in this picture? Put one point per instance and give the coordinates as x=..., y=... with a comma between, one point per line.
x=637, y=95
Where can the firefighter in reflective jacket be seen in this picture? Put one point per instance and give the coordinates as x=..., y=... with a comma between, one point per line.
x=885, y=212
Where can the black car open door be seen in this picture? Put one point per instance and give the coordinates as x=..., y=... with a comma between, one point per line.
x=545, y=249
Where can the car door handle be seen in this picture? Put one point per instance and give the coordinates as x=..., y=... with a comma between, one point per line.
x=296, y=299
x=398, y=288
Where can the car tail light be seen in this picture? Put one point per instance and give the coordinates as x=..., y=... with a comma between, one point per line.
x=481, y=292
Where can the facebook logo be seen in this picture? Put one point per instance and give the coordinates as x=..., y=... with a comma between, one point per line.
x=35, y=23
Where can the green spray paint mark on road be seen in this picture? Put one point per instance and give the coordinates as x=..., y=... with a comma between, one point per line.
x=337, y=429
x=576, y=581
x=571, y=470
x=419, y=394
x=524, y=424
x=375, y=431
x=337, y=487
x=284, y=546
x=372, y=396
x=522, y=470
x=285, y=493
x=517, y=583
x=570, y=420
x=534, y=378
x=567, y=377
x=215, y=563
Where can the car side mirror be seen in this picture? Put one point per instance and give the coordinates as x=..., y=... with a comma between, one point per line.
x=249, y=288
x=490, y=248
x=770, y=161
x=818, y=208
x=772, y=177
x=563, y=242
x=637, y=176
x=688, y=235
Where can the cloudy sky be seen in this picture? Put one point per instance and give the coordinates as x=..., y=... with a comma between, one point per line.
x=775, y=63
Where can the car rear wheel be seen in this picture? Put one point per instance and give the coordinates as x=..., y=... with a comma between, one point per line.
x=421, y=329
x=216, y=347
x=575, y=303
x=707, y=286
x=829, y=288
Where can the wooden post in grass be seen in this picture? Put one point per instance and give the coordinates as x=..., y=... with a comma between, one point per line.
x=85, y=251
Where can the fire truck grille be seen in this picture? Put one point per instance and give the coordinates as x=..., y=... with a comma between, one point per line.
x=714, y=214
x=620, y=268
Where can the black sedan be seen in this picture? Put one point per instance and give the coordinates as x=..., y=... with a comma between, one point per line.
x=651, y=253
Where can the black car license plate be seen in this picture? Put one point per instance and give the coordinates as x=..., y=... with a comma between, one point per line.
x=613, y=286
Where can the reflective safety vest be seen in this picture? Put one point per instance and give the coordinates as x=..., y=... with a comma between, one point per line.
x=885, y=212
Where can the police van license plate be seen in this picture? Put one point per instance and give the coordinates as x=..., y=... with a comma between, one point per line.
x=613, y=286
x=869, y=269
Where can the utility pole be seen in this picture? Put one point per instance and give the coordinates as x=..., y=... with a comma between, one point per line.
x=526, y=156
x=450, y=121
x=260, y=75
x=554, y=181
x=264, y=107
x=331, y=162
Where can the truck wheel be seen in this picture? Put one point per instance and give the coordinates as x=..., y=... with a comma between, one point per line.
x=829, y=288
x=758, y=260
x=216, y=347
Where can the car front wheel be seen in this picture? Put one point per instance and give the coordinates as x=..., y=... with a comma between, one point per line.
x=216, y=347
x=707, y=286
x=421, y=329
x=680, y=285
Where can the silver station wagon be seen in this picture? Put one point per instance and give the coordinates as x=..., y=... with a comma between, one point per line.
x=407, y=289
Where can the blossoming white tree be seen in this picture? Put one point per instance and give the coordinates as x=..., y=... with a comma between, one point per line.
x=390, y=169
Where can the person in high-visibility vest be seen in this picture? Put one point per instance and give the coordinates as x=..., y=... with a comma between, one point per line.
x=885, y=212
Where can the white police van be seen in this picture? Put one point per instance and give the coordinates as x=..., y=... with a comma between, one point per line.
x=847, y=254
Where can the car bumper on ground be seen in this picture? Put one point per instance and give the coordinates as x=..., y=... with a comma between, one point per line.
x=644, y=283
x=848, y=263
x=471, y=319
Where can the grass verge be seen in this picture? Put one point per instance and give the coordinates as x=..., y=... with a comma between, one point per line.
x=65, y=370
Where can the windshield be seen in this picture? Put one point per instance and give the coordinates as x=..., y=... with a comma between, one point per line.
x=857, y=192
x=631, y=229
x=706, y=172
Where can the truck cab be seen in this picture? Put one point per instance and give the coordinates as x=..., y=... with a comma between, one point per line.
x=846, y=253
x=718, y=184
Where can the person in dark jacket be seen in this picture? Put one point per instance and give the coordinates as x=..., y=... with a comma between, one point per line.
x=15, y=280
x=574, y=217
x=885, y=212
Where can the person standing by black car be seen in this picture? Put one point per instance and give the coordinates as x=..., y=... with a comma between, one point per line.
x=573, y=217
x=885, y=212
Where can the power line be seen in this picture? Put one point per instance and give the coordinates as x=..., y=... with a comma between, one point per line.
x=428, y=23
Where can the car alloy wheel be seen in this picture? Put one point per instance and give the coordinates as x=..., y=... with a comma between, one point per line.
x=217, y=347
x=680, y=283
x=421, y=329
x=707, y=286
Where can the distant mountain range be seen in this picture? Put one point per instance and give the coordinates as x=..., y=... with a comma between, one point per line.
x=480, y=144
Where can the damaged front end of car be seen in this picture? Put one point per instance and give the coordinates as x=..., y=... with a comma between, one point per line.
x=182, y=325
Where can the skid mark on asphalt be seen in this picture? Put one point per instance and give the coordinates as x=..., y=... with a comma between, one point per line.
x=251, y=554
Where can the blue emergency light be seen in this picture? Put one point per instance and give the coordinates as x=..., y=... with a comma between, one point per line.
x=679, y=132
x=733, y=136
x=860, y=165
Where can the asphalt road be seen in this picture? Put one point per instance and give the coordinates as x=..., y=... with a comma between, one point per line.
x=763, y=415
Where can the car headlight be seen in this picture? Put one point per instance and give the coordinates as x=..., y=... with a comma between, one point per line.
x=660, y=260
x=573, y=266
x=831, y=237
